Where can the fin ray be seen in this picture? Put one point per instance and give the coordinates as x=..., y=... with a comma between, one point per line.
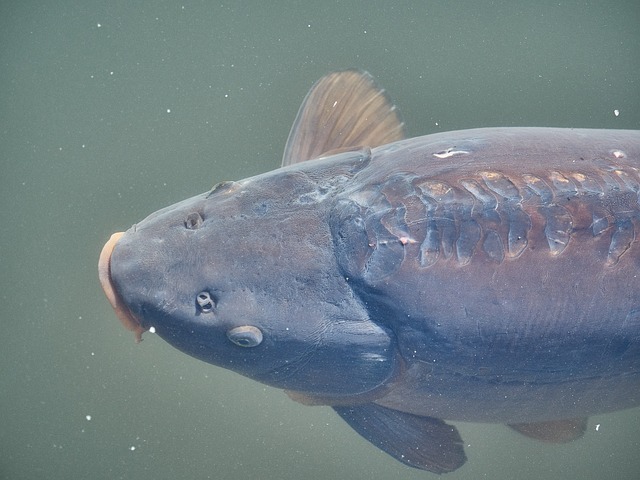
x=556, y=431
x=420, y=442
x=344, y=109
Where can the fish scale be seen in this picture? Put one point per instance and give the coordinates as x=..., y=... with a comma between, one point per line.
x=493, y=213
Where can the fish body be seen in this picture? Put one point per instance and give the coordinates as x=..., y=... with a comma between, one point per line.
x=485, y=275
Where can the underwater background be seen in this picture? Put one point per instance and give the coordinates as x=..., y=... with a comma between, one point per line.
x=112, y=110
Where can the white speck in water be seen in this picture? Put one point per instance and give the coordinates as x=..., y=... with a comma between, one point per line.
x=132, y=448
x=99, y=25
x=152, y=329
x=88, y=417
x=616, y=112
x=597, y=427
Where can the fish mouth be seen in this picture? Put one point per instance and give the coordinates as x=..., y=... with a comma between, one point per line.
x=127, y=318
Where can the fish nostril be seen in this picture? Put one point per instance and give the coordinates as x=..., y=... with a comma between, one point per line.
x=205, y=302
x=193, y=221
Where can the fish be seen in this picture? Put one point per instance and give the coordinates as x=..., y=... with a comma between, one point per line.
x=483, y=275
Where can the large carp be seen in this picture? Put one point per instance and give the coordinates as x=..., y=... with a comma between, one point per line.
x=486, y=275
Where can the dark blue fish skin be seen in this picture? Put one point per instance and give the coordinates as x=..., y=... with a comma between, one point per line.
x=505, y=288
x=480, y=275
x=264, y=253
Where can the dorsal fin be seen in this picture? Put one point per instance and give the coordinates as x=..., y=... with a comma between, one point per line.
x=342, y=110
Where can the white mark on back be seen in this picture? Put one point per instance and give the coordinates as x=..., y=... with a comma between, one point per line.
x=450, y=152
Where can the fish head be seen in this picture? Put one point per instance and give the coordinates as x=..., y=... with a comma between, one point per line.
x=245, y=277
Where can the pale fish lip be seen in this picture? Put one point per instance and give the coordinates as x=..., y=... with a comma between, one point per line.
x=127, y=318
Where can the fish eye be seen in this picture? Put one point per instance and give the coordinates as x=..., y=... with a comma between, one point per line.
x=205, y=302
x=193, y=221
x=245, y=336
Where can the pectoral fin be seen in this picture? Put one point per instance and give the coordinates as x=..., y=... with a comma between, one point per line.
x=557, y=431
x=420, y=442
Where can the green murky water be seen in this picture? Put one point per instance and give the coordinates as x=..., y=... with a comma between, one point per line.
x=111, y=110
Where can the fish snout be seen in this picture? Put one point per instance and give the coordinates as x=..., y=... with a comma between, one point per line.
x=125, y=315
